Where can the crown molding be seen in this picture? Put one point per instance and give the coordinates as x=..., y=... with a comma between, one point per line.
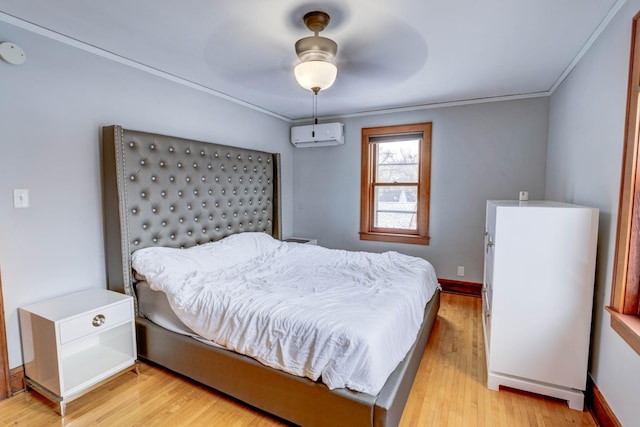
x=193, y=85
x=70, y=41
x=594, y=36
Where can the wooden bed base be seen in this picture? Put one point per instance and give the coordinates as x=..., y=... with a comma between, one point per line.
x=296, y=399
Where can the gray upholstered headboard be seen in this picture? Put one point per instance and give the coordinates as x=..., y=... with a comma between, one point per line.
x=166, y=191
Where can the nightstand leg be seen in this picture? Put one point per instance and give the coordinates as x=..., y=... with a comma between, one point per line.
x=63, y=408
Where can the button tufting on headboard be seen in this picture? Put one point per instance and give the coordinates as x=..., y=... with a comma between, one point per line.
x=179, y=193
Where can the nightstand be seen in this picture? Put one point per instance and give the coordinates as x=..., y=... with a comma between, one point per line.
x=72, y=343
x=302, y=240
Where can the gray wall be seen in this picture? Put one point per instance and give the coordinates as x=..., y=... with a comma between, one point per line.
x=51, y=112
x=479, y=152
x=586, y=136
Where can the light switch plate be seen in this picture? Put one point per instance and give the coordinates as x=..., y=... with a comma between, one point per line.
x=20, y=198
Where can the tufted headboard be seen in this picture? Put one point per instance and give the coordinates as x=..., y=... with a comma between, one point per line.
x=165, y=191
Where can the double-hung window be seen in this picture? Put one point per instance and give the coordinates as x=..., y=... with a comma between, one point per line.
x=396, y=169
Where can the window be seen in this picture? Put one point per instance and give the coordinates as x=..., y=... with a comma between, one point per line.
x=394, y=195
x=625, y=294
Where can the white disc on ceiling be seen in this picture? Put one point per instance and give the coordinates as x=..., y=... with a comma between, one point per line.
x=12, y=53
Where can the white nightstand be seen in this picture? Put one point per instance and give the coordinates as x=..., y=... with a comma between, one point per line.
x=302, y=240
x=74, y=342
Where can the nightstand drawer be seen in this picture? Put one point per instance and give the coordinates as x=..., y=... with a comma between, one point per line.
x=95, y=321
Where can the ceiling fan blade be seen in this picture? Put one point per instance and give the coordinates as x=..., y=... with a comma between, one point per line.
x=392, y=55
x=378, y=58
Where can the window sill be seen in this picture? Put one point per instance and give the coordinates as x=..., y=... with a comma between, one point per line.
x=627, y=326
x=395, y=238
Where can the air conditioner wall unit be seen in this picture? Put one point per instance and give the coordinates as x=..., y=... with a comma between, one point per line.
x=317, y=135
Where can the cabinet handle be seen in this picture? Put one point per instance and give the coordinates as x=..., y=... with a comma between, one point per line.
x=98, y=320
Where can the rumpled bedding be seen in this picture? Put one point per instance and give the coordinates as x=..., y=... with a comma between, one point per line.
x=347, y=318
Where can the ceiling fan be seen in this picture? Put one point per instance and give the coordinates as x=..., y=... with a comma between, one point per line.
x=385, y=51
x=368, y=50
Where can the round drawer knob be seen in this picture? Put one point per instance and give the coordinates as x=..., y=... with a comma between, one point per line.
x=98, y=320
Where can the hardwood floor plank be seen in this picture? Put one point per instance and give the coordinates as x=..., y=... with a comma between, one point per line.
x=449, y=390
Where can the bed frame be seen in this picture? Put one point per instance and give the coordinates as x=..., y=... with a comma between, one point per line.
x=167, y=191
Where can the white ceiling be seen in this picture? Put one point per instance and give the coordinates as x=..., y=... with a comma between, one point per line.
x=391, y=54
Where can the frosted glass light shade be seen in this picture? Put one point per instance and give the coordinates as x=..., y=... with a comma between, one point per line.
x=315, y=74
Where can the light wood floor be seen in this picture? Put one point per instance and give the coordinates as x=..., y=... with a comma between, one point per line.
x=449, y=390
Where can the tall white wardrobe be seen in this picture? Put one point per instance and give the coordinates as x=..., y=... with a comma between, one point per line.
x=538, y=296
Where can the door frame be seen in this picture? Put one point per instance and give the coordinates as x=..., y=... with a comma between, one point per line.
x=5, y=386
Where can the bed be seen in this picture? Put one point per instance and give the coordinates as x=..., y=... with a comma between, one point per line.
x=162, y=191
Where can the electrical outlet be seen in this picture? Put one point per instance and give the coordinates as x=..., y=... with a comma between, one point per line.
x=460, y=271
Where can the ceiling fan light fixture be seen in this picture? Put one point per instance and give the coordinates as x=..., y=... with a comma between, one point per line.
x=316, y=72
x=315, y=75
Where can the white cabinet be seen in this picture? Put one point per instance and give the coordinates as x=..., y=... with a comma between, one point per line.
x=538, y=296
x=73, y=342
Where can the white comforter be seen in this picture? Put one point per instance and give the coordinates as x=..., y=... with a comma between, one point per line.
x=348, y=318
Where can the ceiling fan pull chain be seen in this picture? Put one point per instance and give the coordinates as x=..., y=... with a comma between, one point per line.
x=315, y=110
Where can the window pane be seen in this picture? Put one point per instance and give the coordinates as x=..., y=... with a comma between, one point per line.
x=398, y=161
x=396, y=207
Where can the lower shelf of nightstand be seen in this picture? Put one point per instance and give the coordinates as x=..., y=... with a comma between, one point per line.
x=91, y=366
x=62, y=401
